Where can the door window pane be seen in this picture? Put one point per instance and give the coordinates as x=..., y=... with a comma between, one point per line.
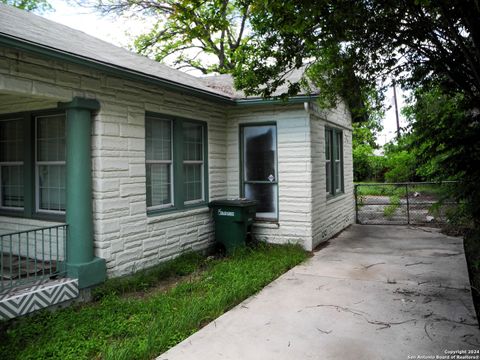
x=259, y=145
x=266, y=197
x=259, y=151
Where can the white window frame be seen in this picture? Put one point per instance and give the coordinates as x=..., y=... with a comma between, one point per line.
x=335, y=143
x=202, y=175
x=263, y=216
x=40, y=163
x=328, y=161
x=338, y=163
x=170, y=162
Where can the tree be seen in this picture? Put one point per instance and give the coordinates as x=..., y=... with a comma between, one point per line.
x=187, y=30
x=39, y=6
x=447, y=133
x=429, y=46
x=415, y=41
x=366, y=165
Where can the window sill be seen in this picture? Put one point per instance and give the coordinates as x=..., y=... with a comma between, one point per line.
x=37, y=216
x=266, y=224
x=174, y=213
x=335, y=198
x=12, y=213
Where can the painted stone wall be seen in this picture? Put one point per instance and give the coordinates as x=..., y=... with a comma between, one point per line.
x=123, y=233
x=330, y=214
x=294, y=170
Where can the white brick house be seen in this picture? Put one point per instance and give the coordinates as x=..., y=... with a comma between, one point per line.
x=162, y=144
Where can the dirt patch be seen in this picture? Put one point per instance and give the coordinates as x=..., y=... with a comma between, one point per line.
x=163, y=286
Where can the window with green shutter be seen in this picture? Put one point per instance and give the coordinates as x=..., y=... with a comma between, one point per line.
x=334, y=161
x=175, y=160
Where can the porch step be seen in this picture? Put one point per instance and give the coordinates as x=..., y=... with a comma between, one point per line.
x=36, y=296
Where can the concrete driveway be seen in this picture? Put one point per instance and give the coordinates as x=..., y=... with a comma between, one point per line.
x=374, y=292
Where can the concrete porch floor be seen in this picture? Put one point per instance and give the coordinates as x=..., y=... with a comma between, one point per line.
x=374, y=292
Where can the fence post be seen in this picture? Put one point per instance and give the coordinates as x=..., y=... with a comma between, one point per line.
x=356, y=203
x=408, y=205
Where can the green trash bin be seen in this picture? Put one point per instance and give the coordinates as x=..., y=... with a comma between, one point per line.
x=233, y=220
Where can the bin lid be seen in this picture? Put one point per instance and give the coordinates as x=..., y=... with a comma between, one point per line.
x=234, y=202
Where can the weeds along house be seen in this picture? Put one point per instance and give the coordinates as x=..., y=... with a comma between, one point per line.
x=108, y=161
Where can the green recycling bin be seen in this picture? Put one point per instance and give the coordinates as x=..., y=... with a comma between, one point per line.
x=233, y=220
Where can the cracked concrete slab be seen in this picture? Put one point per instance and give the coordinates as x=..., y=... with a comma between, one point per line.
x=374, y=292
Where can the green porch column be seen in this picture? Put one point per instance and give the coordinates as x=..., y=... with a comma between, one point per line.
x=81, y=262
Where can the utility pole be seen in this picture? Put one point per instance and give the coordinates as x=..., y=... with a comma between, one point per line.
x=396, y=109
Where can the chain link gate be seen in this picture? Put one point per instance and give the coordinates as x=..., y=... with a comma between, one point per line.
x=416, y=203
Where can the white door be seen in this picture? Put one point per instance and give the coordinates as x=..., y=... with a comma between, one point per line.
x=259, y=168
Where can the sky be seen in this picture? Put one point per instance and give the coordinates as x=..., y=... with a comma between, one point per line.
x=121, y=32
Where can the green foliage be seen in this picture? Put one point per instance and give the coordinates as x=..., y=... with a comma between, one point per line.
x=361, y=162
x=423, y=44
x=381, y=190
x=448, y=130
x=39, y=6
x=365, y=133
x=390, y=209
x=415, y=41
x=142, y=327
x=366, y=165
x=401, y=166
x=187, y=30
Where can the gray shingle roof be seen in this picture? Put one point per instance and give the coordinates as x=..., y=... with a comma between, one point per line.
x=28, y=28
x=224, y=83
x=35, y=29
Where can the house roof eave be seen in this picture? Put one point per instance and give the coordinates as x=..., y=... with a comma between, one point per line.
x=57, y=54
x=11, y=41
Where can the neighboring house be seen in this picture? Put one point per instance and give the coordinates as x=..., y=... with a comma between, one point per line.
x=108, y=161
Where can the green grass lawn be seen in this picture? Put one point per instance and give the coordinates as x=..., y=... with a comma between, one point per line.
x=132, y=318
x=372, y=189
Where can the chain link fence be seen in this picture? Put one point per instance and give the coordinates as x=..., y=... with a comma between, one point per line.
x=418, y=203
